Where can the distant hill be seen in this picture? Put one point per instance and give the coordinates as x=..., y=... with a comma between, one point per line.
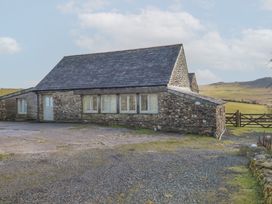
x=257, y=91
x=7, y=91
x=259, y=83
x=265, y=82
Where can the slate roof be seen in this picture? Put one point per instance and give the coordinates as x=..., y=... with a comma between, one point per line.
x=185, y=92
x=128, y=68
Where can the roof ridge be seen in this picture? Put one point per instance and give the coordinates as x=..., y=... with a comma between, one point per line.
x=125, y=50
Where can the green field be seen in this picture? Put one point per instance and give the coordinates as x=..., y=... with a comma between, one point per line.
x=232, y=107
x=238, y=93
x=7, y=91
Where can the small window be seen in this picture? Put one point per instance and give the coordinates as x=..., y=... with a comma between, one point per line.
x=128, y=103
x=22, y=106
x=149, y=103
x=90, y=104
x=108, y=104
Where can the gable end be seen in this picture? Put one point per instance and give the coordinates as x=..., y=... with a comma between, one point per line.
x=179, y=76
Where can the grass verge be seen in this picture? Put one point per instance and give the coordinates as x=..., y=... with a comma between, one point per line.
x=173, y=144
x=248, y=190
x=240, y=131
x=5, y=156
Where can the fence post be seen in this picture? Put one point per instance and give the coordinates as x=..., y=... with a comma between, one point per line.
x=238, y=118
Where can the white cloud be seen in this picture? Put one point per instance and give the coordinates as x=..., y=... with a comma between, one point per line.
x=206, y=76
x=267, y=4
x=148, y=27
x=248, y=52
x=82, y=6
x=206, y=49
x=8, y=45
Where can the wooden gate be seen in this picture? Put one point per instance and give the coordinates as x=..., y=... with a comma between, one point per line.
x=238, y=119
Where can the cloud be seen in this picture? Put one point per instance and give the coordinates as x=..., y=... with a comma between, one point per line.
x=267, y=4
x=148, y=27
x=206, y=76
x=82, y=6
x=248, y=52
x=206, y=49
x=8, y=45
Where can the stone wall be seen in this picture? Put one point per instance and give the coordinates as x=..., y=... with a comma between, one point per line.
x=3, y=111
x=220, y=121
x=261, y=166
x=180, y=77
x=193, y=83
x=179, y=114
x=67, y=106
x=9, y=107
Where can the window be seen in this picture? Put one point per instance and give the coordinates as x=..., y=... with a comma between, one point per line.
x=149, y=103
x=22, y=106
x=108, y=103
x=48, y=101
x=90, y=104
x=128, y=103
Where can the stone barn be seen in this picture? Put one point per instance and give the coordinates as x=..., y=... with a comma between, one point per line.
x=21, y=105
x=148, y=87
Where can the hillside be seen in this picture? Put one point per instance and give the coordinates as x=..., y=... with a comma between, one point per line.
x=257, y=91
x=7, y=91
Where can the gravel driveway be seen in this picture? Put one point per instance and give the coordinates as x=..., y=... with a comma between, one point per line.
x=65, y=163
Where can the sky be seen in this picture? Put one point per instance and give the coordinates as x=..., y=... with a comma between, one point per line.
x=223, y=40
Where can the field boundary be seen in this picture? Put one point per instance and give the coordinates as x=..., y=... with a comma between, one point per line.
x=239, y=119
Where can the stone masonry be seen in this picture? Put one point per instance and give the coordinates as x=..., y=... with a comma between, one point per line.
x=9, y=107
x=179, y=75
x=186, y=114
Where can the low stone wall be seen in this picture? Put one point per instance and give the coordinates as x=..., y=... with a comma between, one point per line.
x=261, y=166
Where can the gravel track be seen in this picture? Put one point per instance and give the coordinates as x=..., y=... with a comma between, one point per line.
x=111, y=175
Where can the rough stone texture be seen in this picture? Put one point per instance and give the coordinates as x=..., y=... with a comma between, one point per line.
x=180, y=77
x=220, y=120
x=67, y=106
x=193, y=82
x=176, y=113
x=9, y=107
x=261, y=166
x=3, y=111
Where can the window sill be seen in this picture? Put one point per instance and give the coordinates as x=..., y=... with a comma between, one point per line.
x=90, y=112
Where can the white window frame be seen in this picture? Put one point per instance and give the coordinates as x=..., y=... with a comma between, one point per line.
x=127, y=99
x=90, y=105
x=114, y=100
x=21, y=106
x=149, y=110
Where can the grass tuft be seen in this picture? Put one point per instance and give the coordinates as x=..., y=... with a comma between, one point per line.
x=189, y=141
x=241, y=131
x=248, y=190
x=5, y=156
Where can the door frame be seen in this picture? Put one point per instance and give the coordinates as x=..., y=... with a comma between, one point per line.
x=44, y=105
